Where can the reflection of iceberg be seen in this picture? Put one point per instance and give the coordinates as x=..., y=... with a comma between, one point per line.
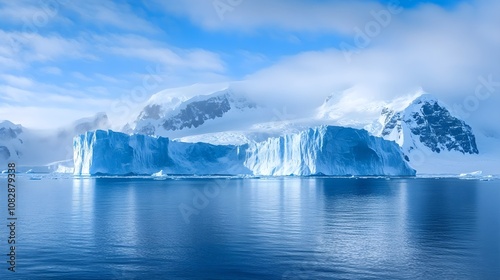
x=325, y=150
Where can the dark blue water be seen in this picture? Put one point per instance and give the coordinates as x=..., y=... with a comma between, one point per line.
x=286, y=228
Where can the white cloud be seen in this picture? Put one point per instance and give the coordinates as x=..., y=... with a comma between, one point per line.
x=32, y=15
x=19, y=92
x=43, y=117
x=444, y=51
x=109, y=13
x=153, y=51
x=14, y=94
x=26, y=48
x=430, y=47
x=292, y=15
x=17, y=80
x=47, y=106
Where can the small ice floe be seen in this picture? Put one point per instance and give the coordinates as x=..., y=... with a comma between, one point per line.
x=488, y=178
x=472, y=174
x=159, y=174
x=475, y=174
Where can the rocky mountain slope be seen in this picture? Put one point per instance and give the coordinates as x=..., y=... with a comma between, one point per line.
x=426, y=123
x=178, y=116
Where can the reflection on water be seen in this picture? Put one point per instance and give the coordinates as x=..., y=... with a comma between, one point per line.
x=278, y=228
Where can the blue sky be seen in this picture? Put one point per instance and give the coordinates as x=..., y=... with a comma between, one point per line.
x=61, y=60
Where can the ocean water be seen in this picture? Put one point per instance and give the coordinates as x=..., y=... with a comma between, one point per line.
x=275, y=228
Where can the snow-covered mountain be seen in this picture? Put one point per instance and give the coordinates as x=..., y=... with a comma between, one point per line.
x=11, y=142
x=348, y=109
x=421, y=124
x=426, y=122
x=431, y=138
x=323, y=150
x=177, y=115
x=44, y=150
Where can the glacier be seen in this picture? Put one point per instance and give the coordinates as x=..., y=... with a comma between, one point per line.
x=327, y=150
x=324, y=150
x=116, y=153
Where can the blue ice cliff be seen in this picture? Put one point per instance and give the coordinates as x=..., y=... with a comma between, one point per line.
x=325, y=150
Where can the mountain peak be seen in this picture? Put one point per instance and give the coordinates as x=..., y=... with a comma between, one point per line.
x=425, y=97
x=168, y=114
x=8, y=124
x=425, y=122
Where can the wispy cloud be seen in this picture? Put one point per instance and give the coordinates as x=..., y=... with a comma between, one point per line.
x=35, y=15
x=109, y=13
x=17, y=80
x=38, y=105
x=32, y=16
x=291, y=15
x=287, y=50
x=140, y=47
x=11, y=94
x=437, y=49
x=31, y=47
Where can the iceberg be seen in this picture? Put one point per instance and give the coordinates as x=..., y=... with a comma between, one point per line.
x=325, y=150
x=114, y=153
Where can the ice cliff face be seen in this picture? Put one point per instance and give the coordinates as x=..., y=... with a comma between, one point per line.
x=323, y=150
x=108, y=152
x=427, y=123
x=327, y=150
